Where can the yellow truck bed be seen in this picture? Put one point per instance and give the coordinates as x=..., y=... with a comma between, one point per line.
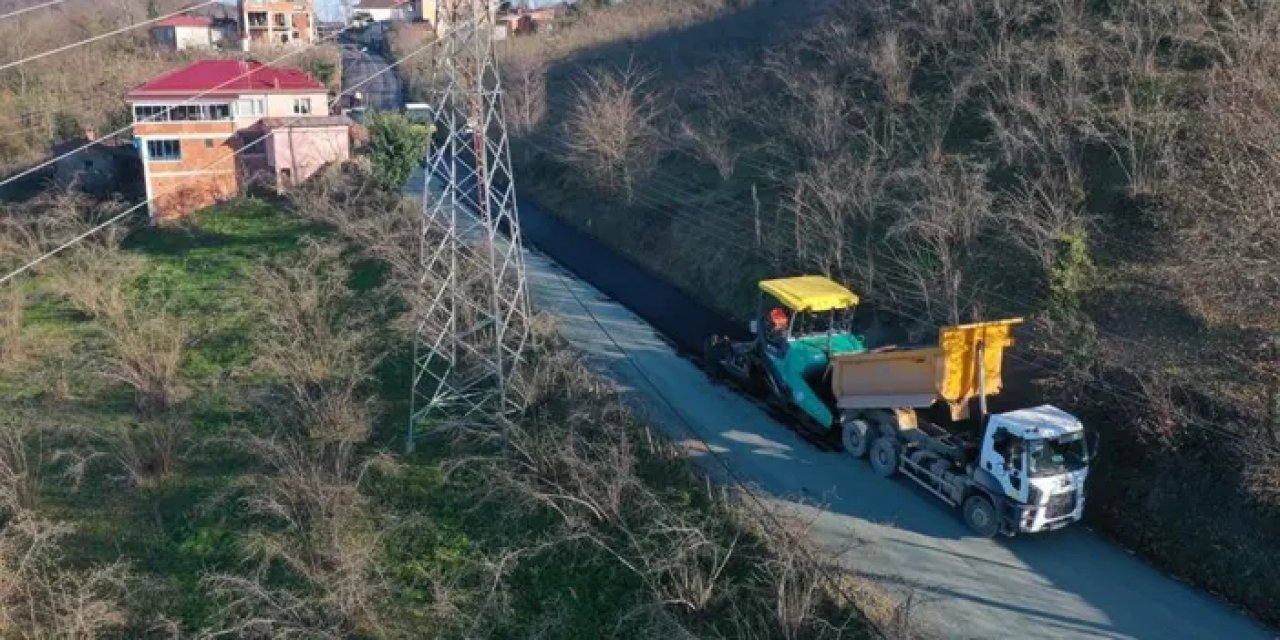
x=919, y=377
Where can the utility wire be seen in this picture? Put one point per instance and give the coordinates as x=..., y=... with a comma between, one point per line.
x=103, y=36
x=120, y=216
x=14, y=14
x=674, y=194
x=167, y=110
x=732, y=475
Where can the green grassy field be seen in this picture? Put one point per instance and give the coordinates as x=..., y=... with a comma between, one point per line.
x=467, y=538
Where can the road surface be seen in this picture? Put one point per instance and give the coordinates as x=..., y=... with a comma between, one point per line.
x=1066, y=584
x=384, y=92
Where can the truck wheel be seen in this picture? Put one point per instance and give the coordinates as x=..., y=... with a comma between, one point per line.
x=712, y=353
x=854, y=435
x=884, y=456
x=980, y=514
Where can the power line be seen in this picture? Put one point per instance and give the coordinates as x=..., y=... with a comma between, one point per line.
x=103, y=36
x=14, y=14
x=166, y=111
x=120, y=216
x=674, y=194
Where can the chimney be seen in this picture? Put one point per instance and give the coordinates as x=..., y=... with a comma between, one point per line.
x=90, y=134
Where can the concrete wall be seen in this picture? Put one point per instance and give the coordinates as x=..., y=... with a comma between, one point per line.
x=193, y=37
x=281, y=105
x=302, y=152
x=179, y=38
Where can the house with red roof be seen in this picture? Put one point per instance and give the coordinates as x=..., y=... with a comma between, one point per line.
x=213, y=127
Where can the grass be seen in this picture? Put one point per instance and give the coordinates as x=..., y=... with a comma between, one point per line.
x=190, y=523
x=441, y=522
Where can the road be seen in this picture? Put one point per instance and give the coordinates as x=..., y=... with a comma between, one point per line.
x=385, y=92
x=1067, y=584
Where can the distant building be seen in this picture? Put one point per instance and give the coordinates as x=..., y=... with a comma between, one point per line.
x=277, y=118
x=185, y=32
x=276, y=22
x=326, y=30
x=98, y=167
x=391, y=10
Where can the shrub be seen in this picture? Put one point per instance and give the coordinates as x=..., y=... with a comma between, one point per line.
x=397, y=145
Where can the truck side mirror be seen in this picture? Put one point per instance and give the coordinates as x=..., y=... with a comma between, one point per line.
x=754, y=326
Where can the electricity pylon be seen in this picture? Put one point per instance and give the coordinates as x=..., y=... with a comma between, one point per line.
x=473, y=314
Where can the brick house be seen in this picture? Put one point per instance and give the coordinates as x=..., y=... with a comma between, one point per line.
x=277, y=116
x=276, y=22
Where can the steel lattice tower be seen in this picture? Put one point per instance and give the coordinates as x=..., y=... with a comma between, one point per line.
x=473, y=316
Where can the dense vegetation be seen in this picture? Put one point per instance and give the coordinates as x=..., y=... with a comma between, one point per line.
x=1106, y=168
x=196, y=434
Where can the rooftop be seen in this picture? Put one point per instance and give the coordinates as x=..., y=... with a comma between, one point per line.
x=1044, y=421
x=185, y=21
x=223, y=77
x=380, y=4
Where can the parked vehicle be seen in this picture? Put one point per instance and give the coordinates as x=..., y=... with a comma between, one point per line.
x=1021, y=471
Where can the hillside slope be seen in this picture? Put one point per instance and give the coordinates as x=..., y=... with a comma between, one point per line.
x=1105, y=169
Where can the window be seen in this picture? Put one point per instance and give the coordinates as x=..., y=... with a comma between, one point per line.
x=208, y=143
x=181, y=112
x=279, y=19
x=164, y=150
x=258, y=19
x=249, y=108
x=301, y=106
x=150, y=113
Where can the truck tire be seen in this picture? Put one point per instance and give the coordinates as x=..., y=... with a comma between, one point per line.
x=980, y=514
x=884, y=456
x=712, y=353
x=855, y=436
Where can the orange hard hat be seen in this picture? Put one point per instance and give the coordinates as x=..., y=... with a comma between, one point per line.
x=778, y=317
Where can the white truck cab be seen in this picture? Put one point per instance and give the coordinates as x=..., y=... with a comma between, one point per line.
x=1040, y=460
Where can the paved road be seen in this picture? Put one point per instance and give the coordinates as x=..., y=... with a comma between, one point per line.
x=1067, y=584
x=384, y=92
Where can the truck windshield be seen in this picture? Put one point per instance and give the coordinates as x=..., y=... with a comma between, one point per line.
x=1050, y=457
x=810, y=323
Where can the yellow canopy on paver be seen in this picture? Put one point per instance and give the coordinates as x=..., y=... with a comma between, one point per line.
x=809, y=293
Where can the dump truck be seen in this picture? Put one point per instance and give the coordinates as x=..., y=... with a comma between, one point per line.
x=1020, y=471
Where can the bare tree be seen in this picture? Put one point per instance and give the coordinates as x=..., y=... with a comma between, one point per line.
x=40, y=599
x=937, y=232
x=525, y=83
x=318, y=342
x=148, y=347
x=614, y=127
x=325, y=537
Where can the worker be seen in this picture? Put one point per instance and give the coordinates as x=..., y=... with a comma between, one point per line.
x=775, y=336
x=778, y=320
